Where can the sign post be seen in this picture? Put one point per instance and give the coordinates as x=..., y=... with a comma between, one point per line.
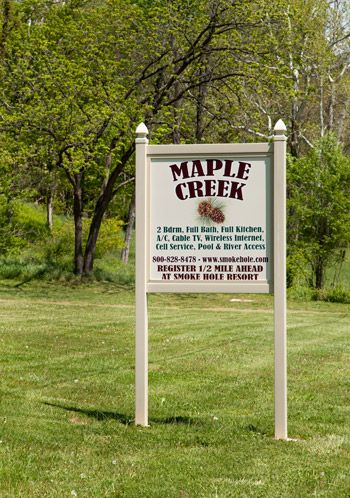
x=211, y=218
x=280, y=270
x=141, y=368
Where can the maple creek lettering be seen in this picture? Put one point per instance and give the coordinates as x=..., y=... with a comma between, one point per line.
x=207, y=185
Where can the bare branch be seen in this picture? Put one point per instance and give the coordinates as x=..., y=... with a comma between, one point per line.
x=339, y=40
x=122, y=185
x=307, y=141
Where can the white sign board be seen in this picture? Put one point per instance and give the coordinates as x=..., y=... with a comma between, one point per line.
x=211, y=218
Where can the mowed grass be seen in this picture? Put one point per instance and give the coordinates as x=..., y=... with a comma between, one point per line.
x=67, y=397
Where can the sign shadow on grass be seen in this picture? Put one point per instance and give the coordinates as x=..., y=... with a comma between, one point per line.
x=123, y=419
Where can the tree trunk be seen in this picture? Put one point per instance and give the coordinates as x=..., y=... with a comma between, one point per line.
x=100, y=209
x=176, y=133
x=49, y=210
x=201, y=98
x=78, y=225
x=331, y=108
x=6, y=13
x=294, y=132
x=322, y=127
x=92, y=239
x=128, y=232
x=95, y=226
x=319, y=274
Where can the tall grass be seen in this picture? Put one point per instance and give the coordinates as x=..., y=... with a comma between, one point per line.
x=40, y=254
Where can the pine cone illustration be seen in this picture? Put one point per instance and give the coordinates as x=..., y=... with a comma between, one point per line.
x=217, y=215
x=205, y=208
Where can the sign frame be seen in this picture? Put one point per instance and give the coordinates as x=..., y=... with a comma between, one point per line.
x=276, y=151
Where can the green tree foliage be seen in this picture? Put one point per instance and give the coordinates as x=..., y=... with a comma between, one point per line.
x=66, y=78
x=319, y=208
x=78, y=76
x=75, y=87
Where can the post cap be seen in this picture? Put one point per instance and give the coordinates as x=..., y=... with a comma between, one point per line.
x=141, y=130
x=280, y=128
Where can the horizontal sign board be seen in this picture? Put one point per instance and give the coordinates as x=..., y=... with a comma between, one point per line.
x=209, y=220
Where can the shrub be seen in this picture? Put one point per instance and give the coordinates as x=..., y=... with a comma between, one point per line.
x=335, y=295
x=300, y=293
x=59, y=247
x=28, y=248
x=110, y=237
x=21, y=224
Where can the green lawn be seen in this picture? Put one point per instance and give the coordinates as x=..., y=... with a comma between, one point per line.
x=67, y=397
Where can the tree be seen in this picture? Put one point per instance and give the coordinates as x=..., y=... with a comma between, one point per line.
x=319, y=206
x=78, y=86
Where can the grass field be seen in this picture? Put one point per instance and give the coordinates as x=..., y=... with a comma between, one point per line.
x=67, y=396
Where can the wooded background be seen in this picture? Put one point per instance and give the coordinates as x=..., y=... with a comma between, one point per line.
x=78, y=76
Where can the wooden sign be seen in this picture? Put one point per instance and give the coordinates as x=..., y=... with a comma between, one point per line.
x=211, y=218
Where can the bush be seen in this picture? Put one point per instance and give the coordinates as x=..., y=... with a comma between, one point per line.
x=335, y=295
x=110, y=237
x=29, y=250
x=59, y=247
x=300, y=293
x=111, y=269
x=21, y=224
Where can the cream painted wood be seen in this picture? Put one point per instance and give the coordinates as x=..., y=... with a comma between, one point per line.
x=280, y=301
x=141, y=338
x=144, y=153
x=201, y=287
x=212, y=149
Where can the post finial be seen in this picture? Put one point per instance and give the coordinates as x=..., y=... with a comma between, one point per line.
x=141, y=134
x=280, y=128
x=141, y=130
